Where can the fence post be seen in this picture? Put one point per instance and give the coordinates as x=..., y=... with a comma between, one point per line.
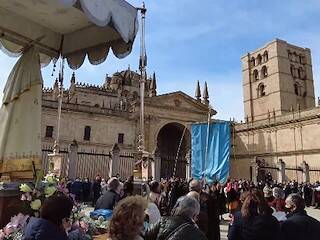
x=115, y=160
x=156, y=165
x=281, y=171
x=255, y=170
x=188, y=165
x=305, y=172
x=73, y=160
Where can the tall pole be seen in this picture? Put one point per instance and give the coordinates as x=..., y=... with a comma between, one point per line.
x=60, y=98
x=142, y=67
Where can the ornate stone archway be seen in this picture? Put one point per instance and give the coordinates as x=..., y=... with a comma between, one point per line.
x=168, y=141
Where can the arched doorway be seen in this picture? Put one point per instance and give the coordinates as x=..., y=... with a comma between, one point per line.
x=168, y=141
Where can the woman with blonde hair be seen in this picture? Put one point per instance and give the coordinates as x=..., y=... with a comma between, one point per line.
x=127, y=219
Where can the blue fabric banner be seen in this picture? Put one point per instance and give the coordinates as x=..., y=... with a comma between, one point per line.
x=210, y=151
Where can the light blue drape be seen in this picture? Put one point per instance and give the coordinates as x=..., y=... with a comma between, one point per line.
x=214, y=167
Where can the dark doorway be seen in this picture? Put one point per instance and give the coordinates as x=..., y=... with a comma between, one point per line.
x=168, y=142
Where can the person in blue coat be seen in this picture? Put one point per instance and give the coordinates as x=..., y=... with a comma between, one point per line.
x=54, y=215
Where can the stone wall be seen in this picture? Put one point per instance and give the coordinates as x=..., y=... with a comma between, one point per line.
x=291, y=137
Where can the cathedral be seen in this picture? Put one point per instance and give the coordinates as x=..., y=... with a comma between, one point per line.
x=278, y=135
x=98, y=117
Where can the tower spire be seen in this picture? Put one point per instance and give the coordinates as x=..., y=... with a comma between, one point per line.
x=153, y=86
x=205, y=94
x=72, y=89
x=198, y=92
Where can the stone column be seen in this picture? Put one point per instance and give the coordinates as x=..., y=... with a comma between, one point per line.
x=305, y=172
x=55, y=163
x=156, y=165
x=145, y=166
x=255, y=170
x=188, y=165
x=115, y=160
x=281, y=171
x=73, y=160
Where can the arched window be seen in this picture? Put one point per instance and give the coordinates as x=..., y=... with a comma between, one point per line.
x=293, y=70
x=261, y=90
x=265, y=56
x=259, y=59
x=255, y=75
x=264, y=72
x=290, y=55
x=253, y=62
x=294, y=57
x=297, y=89
x=301, y=73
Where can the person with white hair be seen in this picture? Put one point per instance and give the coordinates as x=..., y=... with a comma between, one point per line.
x=299, y=225
x=109, y=199
x=181, y=225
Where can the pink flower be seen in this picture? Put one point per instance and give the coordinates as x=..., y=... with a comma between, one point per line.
x=26, y=197
x=23, y=197
x=84, y=226
x=8, y=230
x=2, y=235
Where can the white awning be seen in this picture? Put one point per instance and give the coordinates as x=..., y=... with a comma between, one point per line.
x=72, y=28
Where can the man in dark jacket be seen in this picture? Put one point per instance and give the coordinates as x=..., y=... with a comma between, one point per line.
x=181, y=225
x=208, y=220
x=96, y=189
x=111, y=197
x=299, y=225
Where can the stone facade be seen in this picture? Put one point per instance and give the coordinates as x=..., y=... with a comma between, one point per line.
x=282, y=121
x=97, y=117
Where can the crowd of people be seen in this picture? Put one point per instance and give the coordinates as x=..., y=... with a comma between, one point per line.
x=175, y=209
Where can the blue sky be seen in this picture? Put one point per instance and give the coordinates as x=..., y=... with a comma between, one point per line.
x=189, y=40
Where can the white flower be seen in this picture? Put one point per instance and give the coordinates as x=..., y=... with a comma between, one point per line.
x=49, y=191
x=36, y=204
x=51, y=179
x=25, y=188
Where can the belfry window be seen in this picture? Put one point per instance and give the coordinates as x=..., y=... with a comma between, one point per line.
x=264, y=72
x=290, y=55
x=256, y=75
x=296, y=89
x=293, y=70
x=261, y=90
x=259, y=59
x=253, y=62
x=265, y=56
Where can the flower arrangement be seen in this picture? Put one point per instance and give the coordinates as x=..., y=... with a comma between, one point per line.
x=34, y=194
x=14, y=229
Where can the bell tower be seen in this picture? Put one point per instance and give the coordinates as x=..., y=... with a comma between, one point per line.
x=277, y=79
